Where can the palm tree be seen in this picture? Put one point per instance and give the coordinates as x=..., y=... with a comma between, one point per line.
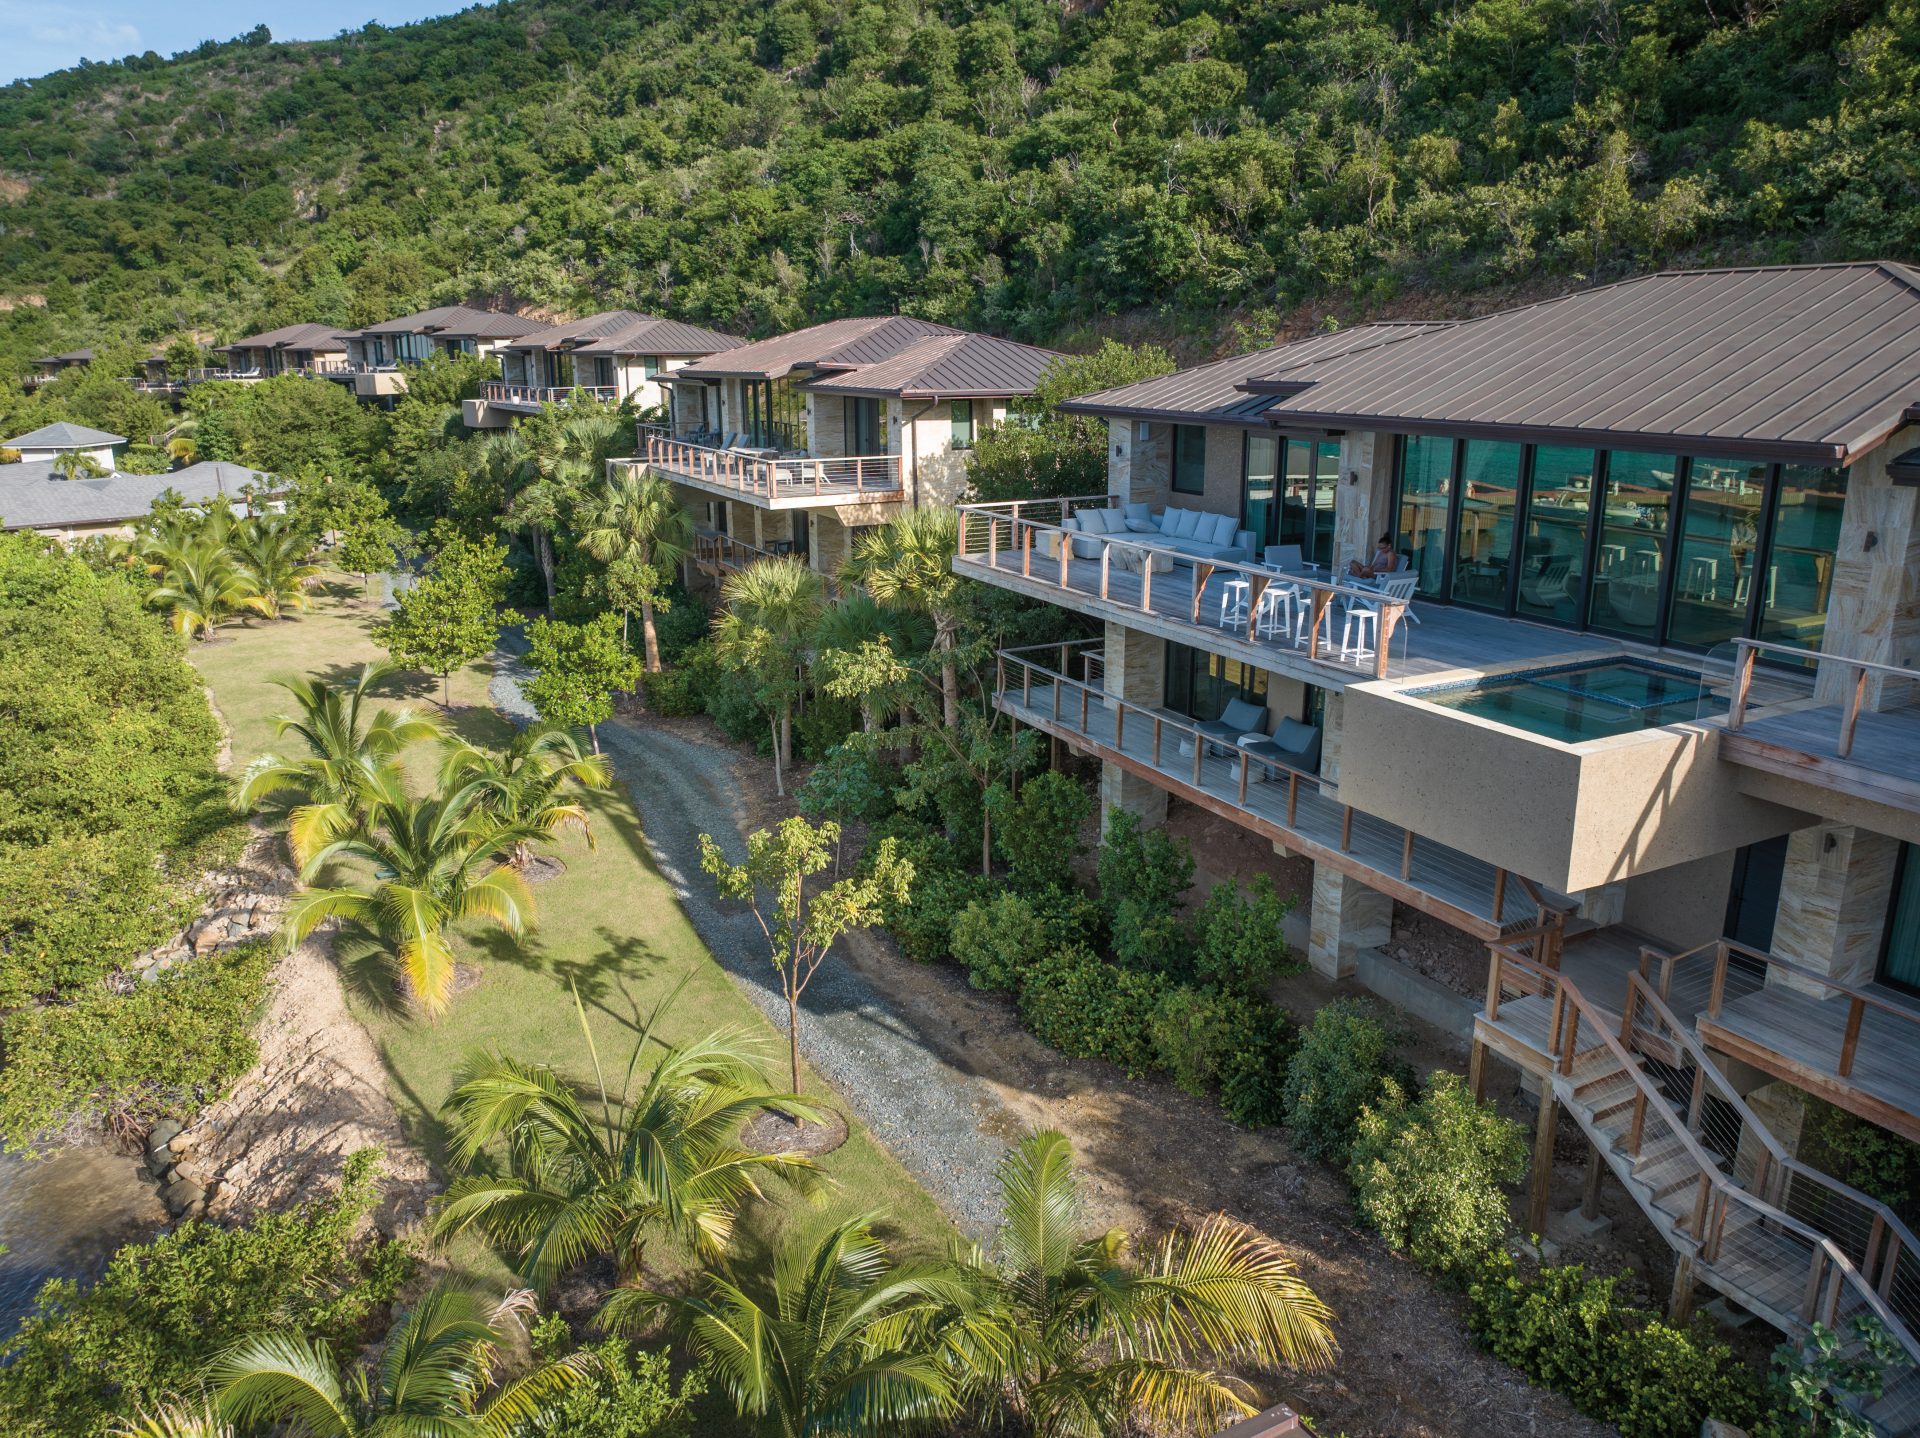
x=907, y=563
x=73, y=464
x=430, y=862
x=825, y=1337
x=177, y=1420
x=200, y=585
x=546, y=462
x=582, y=1179
x=634, y=517
x=434, y=1379
x=351, y=749
x=860, y=649
x=771, y=609
x=526, y=785
x=272, y=553
x=1089, y=1340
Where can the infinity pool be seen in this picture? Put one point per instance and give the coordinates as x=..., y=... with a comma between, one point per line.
x=1574, y=702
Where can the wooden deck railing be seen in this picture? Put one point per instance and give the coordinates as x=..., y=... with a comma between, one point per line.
x=722, y=554
x=1857, y=673
x=1074, y=702
x=851, y=478
x=1025, y=537
x=500, y=390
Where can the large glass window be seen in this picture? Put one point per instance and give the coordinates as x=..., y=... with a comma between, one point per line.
x=1636, y=503
x=1200, y=684
x=864, y=434
x=1483, y=531
x=1799, y=571
x=1719, y=543
x=777, y=416
x=1426, y=490
x=1189, y=459
x=962, y=420
x=1553, y=551
x=1310, y=483
x=1900, y=952
x=1257, y=482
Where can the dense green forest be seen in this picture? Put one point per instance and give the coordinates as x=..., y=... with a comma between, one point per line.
x=1034, y=168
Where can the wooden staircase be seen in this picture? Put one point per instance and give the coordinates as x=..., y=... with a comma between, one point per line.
x=1790, y=1244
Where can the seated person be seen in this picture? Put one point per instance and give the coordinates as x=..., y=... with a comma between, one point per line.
x=1384, y=561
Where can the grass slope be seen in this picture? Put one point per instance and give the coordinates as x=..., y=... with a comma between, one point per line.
x=610, y=927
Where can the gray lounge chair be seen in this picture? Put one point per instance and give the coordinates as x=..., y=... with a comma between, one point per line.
x=1293, y=744
x=1241, y=716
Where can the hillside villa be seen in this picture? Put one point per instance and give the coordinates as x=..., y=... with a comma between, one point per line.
x=613, y=357
x=309, y=349
x=374, y=354
x=793, y=444
x=33, y=495
x=1631, y=705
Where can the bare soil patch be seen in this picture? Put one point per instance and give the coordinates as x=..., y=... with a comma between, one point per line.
x=770, y=1131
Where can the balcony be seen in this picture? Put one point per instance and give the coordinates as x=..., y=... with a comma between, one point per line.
x=718, y=555
x=1282, y=804
x=1021, y=546
x=1803, y=728
x=769, y=480
x=530, y=399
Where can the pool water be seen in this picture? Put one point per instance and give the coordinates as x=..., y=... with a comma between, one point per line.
x=1575, y=702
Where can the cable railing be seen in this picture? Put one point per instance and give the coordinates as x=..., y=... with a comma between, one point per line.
x=502, y=392
x=777, y=479
x=1028, y=538
x=722, y=554
x=1768, y=1256
x=1394, y=858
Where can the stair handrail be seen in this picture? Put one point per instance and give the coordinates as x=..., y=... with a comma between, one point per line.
x=1888, y=1238
x=1830, y=1268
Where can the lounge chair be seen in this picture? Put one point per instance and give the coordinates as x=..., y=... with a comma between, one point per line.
x=1293, y=744
x=1241, y=716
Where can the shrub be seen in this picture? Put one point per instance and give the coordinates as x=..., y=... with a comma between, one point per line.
x=1428, y=1175
x=1239, y=941
x=1615, y=1362
x=848, y=783
x=732, y=705
x=1143, y=874
x=675, y=693
x=1089, y=1009
x=1337, y=1071
x=1038, y=832
x=629, y=1393
x=824, y=725
x=1253, y=1067
x=162, y=1310
x=682, y=626
x=1000, y=938
x=924, y=924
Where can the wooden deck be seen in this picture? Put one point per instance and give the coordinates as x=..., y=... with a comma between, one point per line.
x=1798, y=1037
x=1803, y=742
x=1430, y=877
x=1445, y=638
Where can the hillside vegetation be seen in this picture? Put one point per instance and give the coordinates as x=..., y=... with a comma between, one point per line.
x=1008, y=163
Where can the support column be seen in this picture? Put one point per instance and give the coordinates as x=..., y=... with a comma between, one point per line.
x=1680, y=1302
x=1604, y=905
x=1834, y=894
x=1347, y=917
x=1542, y=1184
x=1363, y=503
x=1136, y=670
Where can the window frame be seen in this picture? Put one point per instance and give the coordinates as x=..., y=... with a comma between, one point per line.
x=1174, y=459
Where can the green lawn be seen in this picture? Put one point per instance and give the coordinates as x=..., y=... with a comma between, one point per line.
x=609, y=927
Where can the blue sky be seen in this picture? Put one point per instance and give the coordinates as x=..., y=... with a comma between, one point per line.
x=37, y=36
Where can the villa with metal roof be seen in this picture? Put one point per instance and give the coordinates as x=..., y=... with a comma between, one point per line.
x=33, y=495
x=291, y=349
x=1627, y=694
x=375, y=353
x=793, y=444
x=613, y=356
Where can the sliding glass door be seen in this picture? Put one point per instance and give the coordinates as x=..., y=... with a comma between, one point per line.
x=1719, y=540
x=1483, y=523
x=1259, y=505
x=1553, y=548
x=1635, y=508
x=1426, y=493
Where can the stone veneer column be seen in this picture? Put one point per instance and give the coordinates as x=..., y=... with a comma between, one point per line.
x=1362, y=508
x=1833, y=902
x=1136, y=670
x=1873, y=611
x=1347, y=917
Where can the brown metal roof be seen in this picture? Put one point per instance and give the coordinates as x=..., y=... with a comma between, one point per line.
x=1217, y=393
x=324, y=339
x=460, y=321
x=837, y=344
x=953, y=366
x=1817, y=363
x=648, y=335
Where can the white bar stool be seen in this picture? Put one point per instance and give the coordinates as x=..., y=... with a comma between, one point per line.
x=1273, y=619
x=1233, y=602
x=1369, y=622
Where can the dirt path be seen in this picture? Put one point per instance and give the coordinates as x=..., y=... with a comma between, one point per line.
x=1152, y=1155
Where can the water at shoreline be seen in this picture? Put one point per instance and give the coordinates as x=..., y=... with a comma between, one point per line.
x=62, y=1216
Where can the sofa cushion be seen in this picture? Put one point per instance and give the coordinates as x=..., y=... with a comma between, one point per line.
x=1178, y=524
x=1219, y=529
x=1139, y=518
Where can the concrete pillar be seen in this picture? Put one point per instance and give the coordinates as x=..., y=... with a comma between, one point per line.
x=1363, y=504
x=1347, y=917
x=1781, y=1110
x=1136, y=670
x=1873, y=611
x=1834, y=894
x=1604, y=905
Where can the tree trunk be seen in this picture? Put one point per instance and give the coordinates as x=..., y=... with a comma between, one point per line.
x=986, y=842
x=543, y=551
x=944, y=639
x=593, y=730
x=786, y=734
x=774, y=725
x=793, y=1042
x=650, y=635
x=446, y=689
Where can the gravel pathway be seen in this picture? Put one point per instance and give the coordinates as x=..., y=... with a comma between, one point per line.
x=939, y=1122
